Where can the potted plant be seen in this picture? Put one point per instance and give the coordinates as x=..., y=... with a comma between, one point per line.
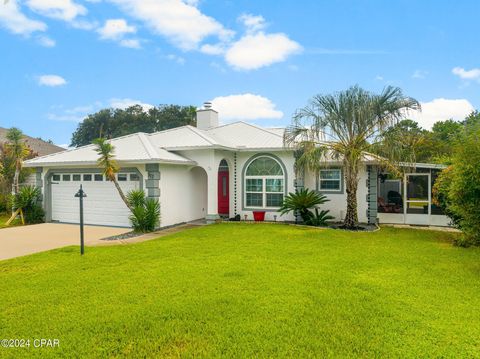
x=259, y=216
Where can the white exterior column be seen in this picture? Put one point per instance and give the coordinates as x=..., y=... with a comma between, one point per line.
x=212, y=205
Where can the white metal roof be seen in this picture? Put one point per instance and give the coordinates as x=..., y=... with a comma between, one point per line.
x=161, y=146
x=242, y=135
x=132, y=148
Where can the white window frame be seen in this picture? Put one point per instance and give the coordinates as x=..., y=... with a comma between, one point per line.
x=340, y=179
x=264, y=185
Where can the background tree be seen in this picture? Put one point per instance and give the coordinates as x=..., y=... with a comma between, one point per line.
x=109, y=166
x=404, y=142
x=110, y=123
x=441, y=141
x=343, y=125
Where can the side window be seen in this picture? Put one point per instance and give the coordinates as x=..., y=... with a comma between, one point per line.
x=134, y=177
x=66, y=178
x=98, y=178
x=76, y=178
x=56, y=178
x=330, y=180
x=87, y=178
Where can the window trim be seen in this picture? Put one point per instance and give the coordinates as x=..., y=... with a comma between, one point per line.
x=331, y=191
x=264, y=192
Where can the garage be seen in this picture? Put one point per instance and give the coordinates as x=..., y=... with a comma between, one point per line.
x=102, y=206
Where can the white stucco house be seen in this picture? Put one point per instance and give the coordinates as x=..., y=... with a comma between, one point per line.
x=212, y=171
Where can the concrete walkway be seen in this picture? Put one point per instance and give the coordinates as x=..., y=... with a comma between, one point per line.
x=20, y=241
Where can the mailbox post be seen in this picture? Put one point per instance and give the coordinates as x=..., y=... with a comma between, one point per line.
x=81, y=195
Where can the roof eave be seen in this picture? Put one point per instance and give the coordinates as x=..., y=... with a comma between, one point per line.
x=94, y=163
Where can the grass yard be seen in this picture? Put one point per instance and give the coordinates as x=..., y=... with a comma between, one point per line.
x=236, y=290
x=4, y=217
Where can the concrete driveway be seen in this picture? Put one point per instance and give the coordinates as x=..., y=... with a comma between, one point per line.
x=20, y=241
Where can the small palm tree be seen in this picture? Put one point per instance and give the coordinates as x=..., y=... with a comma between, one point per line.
x=18, y=151
x=343, y=127
x=301, y=202
x=109, y=166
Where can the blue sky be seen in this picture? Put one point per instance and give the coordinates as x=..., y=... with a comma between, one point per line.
x=257, y=60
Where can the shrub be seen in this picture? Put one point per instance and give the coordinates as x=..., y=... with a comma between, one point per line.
x=4, y=201
x=145, y=211
x=319, y=218
x=28, y=199
x=458, y=188
x=440, y=195
x=301, y=202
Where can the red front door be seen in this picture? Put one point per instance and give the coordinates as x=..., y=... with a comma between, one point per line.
x=223, y=194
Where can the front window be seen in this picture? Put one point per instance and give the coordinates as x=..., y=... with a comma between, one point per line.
x=330, y=180
x=264, y=183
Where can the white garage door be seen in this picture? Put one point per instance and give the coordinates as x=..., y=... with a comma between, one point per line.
x=102, y=206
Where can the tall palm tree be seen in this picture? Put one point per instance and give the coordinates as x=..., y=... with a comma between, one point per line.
x=343, y=126
x=109, y=165
x=18, y=151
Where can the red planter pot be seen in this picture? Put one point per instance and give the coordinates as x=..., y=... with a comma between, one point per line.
x=259, y=216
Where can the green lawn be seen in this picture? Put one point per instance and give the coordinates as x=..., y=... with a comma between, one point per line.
x=234, y=290
x=4, y=217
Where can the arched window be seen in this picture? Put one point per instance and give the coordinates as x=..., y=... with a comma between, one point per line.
x=264, y=183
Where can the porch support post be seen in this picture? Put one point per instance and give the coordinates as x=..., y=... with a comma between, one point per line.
x=372, y=195
x=212, y=207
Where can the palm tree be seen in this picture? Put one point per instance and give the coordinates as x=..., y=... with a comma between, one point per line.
x=109, y=166
x=343, y=126
x=18, y=151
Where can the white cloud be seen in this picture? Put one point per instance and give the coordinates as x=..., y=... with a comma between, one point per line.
x=254, y=51
x=51, y=80
x=441, y=109
x=115, y=29
x=45, y=41
x=15, y=21
x=83, y=24
x=215, y=49
x=79, y=113
x=75, y=114
x=253, y=23
x=419, y=74
x=178, y=59
x=123, y=103
x=245, y=107
x=180, y=22
x=66, y=10
x=131, y=43
x=473, y=74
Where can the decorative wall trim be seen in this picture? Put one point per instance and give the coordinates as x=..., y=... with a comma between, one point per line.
x=235, y=184
x=152, y=183
x=372, y=183
x=39, y=180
